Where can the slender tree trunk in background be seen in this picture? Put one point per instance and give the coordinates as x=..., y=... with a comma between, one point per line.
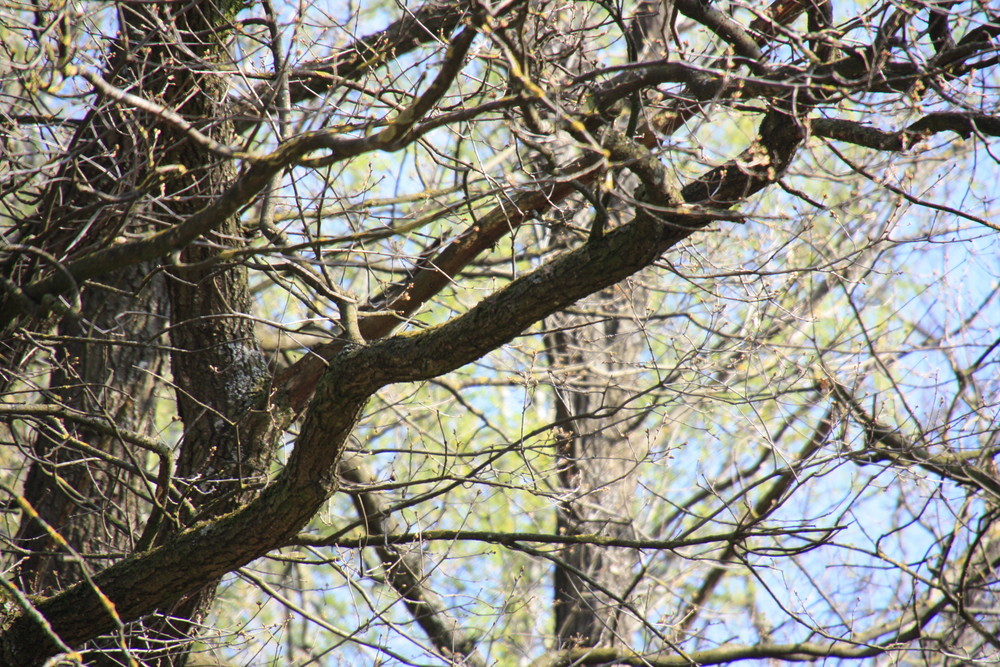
x=599, y=452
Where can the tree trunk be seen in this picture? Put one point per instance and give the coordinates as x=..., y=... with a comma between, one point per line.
x=215, y=361
x=597, y=459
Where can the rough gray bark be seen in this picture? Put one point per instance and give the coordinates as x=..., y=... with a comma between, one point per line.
x=99, y=508
x=92, y=503
x=598, y=456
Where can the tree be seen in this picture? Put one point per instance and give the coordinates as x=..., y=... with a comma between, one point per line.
x=505, y=333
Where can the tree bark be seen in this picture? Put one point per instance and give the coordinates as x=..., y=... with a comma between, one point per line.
x=597, y=460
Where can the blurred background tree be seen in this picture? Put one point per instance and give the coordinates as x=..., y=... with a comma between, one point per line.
x=513, y=333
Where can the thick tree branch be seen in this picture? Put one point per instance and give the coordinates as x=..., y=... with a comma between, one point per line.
x=963, y=124
x=729, y=30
